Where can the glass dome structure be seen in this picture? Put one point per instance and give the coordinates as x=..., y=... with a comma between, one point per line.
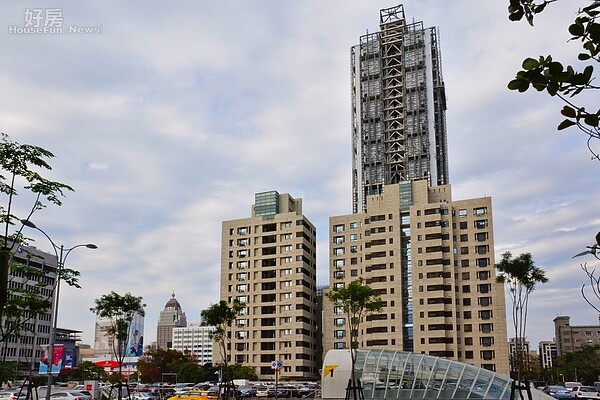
x=389, y=374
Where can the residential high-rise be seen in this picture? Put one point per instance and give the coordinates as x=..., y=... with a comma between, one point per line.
x=398, y=107
x=195, y=339
x=431, y=261
x=268, y=262
x=548, y=353
x=172, y=316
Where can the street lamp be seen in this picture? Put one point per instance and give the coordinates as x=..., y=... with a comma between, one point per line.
x=61, y=256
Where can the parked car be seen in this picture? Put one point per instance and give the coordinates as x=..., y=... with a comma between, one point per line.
x=558, y=392
x=571, y=385
x=265, y=391
x=194, y=395
x=286, y=391
x=69, y=395
x=15, y=394
x=140, y=396
x=246, y=391
x=584, y=392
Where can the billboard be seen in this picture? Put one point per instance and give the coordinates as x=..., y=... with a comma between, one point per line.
x=57, y=359
x=135, y=347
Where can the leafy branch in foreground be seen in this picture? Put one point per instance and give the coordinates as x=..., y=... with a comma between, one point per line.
x=543, y=73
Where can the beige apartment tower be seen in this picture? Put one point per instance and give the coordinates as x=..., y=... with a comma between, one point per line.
x=268, y=262
x=431, y=259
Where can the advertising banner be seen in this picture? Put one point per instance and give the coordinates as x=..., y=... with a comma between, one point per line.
x=57, y=360
x=135, y=346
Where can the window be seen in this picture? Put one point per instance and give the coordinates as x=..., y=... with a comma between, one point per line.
x=486, y=341
x=285, y=225
x=485, y=314
x=480, y=211
x=353, y=237
x=287, y=247
x=339, y=334
x=487, y=354
x=484, y=301
x=464, y=263
x=468, y=355
x=339, y=345
x=242, y=231
x=466, y=289
x=464, y=237
x=242, y=253
x=338, y=322
x=466, y=302
x=353, y=249
x=466, y=276
x=467, y=315
x=468, y=341
x=338, y=239
x=483, y=249
x=484, y=288
x=468, y=328
x=481, y=223
x=486, y=328
x=338, y=251
x=464, y=250
x=463, y=225
x=338, y=228
x=338, y=310
x=482, y=262
x=353, y=225
x=483, y=275
x=353, y=272
x=481, y=236
x=462, y=212
x=338, y=263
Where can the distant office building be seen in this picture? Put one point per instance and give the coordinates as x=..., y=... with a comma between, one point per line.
x=268, y=263
x=547, y=353
x=573, y=338
x=172, y=316
x=196, y=340
x=431, y=260
x=398, y=107
x=27, y=346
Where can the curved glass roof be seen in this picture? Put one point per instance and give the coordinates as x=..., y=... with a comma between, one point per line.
x=389, y=374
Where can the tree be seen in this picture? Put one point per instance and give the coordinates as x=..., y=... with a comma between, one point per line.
x=543, y=73
x=357, y=301
x=520, y=276
x=17, y=163
x=85, y=371
x=594, y=280
x=154, y=362
x=120, y=311
x=221, y=316
x=21, y=302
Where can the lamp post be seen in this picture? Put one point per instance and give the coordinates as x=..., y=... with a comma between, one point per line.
x=61, y=256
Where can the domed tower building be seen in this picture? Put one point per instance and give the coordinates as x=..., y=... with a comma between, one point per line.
x=171, y=317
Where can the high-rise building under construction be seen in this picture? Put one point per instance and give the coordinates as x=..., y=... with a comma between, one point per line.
x=398, y=107
x=429, y=257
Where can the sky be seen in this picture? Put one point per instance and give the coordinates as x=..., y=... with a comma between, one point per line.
x=167, y=117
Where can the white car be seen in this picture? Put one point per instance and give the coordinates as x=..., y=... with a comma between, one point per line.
x=584, y=392
x=70, y=395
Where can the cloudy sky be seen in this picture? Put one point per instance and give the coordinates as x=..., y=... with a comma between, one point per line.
x=171, y=117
